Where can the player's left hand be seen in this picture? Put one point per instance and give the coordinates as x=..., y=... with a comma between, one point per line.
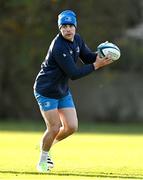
x=100, y=62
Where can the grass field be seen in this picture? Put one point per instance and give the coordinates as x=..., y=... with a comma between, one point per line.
x=95, y=152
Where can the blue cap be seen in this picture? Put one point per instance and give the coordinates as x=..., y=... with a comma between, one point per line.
x=67, y=17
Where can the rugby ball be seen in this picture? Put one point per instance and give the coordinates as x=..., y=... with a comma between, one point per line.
x=107, y=48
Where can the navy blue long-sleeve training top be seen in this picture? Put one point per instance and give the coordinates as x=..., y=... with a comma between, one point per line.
x=60, y=65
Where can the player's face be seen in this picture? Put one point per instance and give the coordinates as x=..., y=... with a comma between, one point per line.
x=68, y=32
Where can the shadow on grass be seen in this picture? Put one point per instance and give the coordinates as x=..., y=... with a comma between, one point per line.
x=90, y=127
x=85, y=174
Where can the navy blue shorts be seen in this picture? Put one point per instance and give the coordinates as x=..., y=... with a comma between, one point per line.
x=46, y=103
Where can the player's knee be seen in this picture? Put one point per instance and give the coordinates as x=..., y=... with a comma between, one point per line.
x=55, y=129
x=72, y=128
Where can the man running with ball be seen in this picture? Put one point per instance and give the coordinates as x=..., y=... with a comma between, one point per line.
x=51, y=88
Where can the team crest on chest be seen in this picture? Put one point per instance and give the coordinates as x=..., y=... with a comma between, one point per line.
x=77, y=49
x=71, y=52
x=64, y=55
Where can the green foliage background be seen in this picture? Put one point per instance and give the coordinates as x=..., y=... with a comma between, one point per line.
x=26, y=30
